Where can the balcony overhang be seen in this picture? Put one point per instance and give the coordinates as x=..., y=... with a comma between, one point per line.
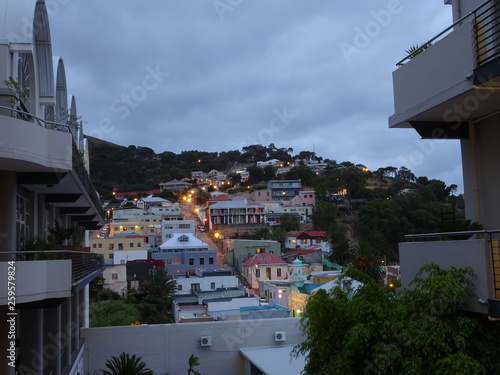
x=441, y=130
x=454, y=80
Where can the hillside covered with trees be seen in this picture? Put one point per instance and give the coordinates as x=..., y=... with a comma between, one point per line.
x=363, y=212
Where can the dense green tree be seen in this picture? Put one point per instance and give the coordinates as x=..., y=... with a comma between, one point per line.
x=254, y=153
x=303, y=173
x=419, y=331
x=113, y=313
x=324, y=215
x=289, y=223
x=125, y=364
x=278, y=235
x=160, y=285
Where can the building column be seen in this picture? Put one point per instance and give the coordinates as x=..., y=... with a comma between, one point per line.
x=66, y=328
x=52, y=339
x=31, y=354
x=8, y=194
x=75, y=321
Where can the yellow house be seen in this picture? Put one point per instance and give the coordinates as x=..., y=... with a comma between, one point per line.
x=126, y=246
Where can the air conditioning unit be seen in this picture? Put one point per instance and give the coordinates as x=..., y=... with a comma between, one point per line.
x=280, y=336
x=206, y=340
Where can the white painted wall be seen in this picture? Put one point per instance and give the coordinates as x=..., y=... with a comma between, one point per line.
x=129, y=255
x=206, y=283
x=167, y=347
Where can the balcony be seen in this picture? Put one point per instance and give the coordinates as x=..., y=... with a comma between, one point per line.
x=454, y=78
x=44, y=275
x=478, y=249
x=47, y=160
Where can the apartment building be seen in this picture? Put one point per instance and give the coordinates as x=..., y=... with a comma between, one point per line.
x=284, y=189
x=44, y=179
x=449, y=90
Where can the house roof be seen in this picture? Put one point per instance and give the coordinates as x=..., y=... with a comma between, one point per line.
x=347, y=284
x=189, y=241
x=153, y=191
x=304, y=251
x=263, y=259
x=220, y=198
x=236, y=204
x=275, y=360
x=309, y=234
x=151, y=199
x=307, y=288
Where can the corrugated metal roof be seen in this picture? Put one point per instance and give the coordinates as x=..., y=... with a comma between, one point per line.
x=14, y=16
x=263, y=259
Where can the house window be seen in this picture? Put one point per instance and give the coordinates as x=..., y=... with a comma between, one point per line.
x=139, y=244
x=202, y=261
x=169, y=261
x=179, y=287
x=184, y=226
x=212, y=285
x=210, y=260
x=195, y=287
x=100, y=246
x=114, y=276
x=120, y=246
x=278, y=272
x=191, y=261
x=257, y=272
x=93, y=246
x=131, y=244
x=111, y=246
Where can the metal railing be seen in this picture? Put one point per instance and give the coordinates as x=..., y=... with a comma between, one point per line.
x=82, y=264
x=26, y=116
x=487, y=32
x=486, y=23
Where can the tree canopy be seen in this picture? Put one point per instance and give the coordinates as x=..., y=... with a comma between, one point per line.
x=419, y=331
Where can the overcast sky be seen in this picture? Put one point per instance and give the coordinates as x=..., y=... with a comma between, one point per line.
x=219, y=75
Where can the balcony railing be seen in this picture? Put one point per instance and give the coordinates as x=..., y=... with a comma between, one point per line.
x=493, y=237
x=486, y=33
x=82, y=264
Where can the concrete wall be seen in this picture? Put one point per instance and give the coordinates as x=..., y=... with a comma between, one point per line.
x=27, y=142
x=41, y=279
x=241, y=250
x=118, y=285
x=166, y=348
x=437, y=74
x=460, y=254
x=206, y=283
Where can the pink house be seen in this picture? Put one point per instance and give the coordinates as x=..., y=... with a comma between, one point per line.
x=305, y=198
